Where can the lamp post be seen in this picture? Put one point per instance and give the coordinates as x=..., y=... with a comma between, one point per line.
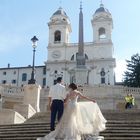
x=34, y=45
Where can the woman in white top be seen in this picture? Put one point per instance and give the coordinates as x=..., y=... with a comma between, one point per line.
x=79, y=118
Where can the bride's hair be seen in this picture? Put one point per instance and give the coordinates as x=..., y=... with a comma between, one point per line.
x=73, y=86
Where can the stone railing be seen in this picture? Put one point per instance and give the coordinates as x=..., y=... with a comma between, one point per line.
x=76, y=44
x=86, y=90
x=89, y=43
x=10, y=89
x=109, y=90
x=131, y=90
x=107, y=96
x=102, y=90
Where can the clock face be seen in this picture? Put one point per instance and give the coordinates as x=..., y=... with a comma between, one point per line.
x=56, y=54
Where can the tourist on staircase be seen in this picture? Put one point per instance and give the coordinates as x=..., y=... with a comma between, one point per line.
x=130, y=101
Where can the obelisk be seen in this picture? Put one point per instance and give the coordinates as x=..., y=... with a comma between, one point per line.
x=80, y=57
x=81, y=72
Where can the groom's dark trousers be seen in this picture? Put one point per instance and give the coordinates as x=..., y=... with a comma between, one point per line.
x=57, y=108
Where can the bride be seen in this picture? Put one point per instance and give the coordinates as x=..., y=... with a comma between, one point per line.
x=79, y=118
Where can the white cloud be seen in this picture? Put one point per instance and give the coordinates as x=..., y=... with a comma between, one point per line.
x=119, y=70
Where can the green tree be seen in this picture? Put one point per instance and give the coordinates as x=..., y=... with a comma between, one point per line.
x=132, y=74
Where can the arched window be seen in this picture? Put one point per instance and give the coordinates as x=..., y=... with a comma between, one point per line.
x=55, y=71
x=57, y=36
x=44, y=82
x=102, y=73
x=24, y=76
x=86, y=56
x=102, y=33
x=72, y=58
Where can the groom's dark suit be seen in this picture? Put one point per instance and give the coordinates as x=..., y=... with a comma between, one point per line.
x=57, y=94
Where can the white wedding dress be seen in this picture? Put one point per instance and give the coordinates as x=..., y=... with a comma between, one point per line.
x=79, y=118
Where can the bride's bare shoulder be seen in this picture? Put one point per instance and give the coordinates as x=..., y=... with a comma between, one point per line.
x=77, y=92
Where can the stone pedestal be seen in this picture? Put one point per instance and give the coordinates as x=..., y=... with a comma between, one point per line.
x=9, y=116
x=26, y=111
x=32, y=96
x=81, y=75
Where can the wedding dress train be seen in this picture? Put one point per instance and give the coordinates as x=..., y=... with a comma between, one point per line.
x=79, y=118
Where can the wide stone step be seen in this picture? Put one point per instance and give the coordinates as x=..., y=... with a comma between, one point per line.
x=122, y=138
x=25, y=129
x=47, y=125
x=123, y=121
x=131, y=114
x=44, y=131
x=121, y=131
x=24, y=126
x=127, y=134
x=123, y=125
x=19, y=138
x=124, y=128
x=18, y=135
x=109, y=115
x=38, y=126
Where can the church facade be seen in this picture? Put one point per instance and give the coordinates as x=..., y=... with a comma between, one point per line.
x=84, y=63
x=96, y=57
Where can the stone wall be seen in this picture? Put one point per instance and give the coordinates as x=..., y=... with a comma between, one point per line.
x=108, y=97
x=19, y=103
x=111, y=97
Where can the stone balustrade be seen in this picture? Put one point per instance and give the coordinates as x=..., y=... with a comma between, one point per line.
x=102, y=89
x=107, y=96
x=86, y=90
x=10, y=89
x=107, y=89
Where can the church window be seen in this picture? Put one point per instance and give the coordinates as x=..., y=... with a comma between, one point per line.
x=24, y=77
x=102, y=33
x=102, y=73
x=72, y=58
x=55, y=71
x=4, y=73
x=55, y=82
x=72, y=80
x=103, y=80
x=14, y=72
x=57, y=36
x=4, y=82
x=86, y=57
x=44, y=82
x=14, y=81
x=44, y=70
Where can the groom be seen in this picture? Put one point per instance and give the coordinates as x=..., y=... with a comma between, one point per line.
x=57, y=94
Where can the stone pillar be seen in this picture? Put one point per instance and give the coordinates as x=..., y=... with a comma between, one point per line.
x=32, y=96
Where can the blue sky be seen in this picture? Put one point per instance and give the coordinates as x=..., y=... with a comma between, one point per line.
x=20, y=20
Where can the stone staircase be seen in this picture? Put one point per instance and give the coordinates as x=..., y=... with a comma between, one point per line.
x=121, y=125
